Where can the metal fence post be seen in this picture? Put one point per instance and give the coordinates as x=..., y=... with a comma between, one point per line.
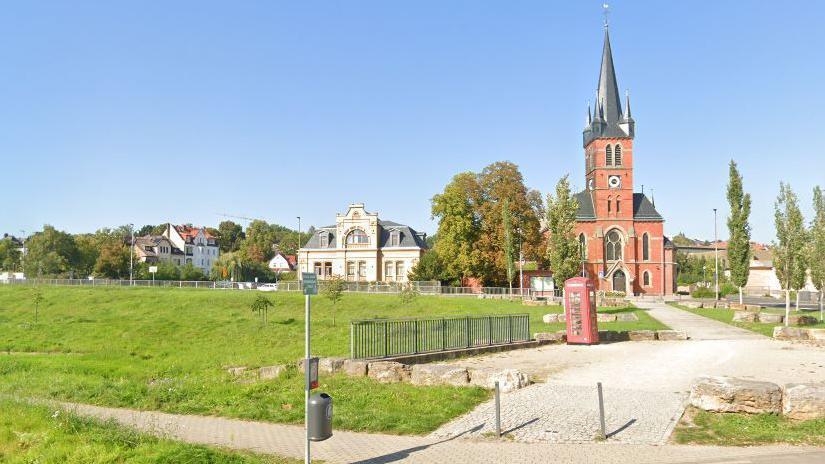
x=352, y=340
x=386, y=340
x=443, y=334
x=498, y=410
x=602, y=435
x=415, y=335
x=469, y=344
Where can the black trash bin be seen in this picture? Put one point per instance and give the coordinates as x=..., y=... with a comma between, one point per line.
x=320, y=417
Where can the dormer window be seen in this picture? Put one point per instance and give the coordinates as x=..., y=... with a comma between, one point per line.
x=323, y=239
x=395, y=238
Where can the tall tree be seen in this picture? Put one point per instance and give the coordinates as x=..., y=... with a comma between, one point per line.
x=816, y=253
x=563, y=246
x=258, y=245
x=9, y=255
x=50, y=253
x=458, y=227
x=113, y=260
x=508, y=242
x=788, y=249
x=739, y=230
x=230, y=236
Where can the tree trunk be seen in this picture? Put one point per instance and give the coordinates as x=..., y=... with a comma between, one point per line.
x=821, y=304
x=740, y=295
x=787, y=306
x=797, y=301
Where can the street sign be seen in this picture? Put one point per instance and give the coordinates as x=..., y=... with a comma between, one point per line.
x=309, y=282
x=153, y=269
x=313, y=373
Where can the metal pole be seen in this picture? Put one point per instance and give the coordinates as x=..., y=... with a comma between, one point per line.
x=132, y=255
x=715, y=255
x=298, y=247
x=603, y=435
x=520, y=271
x=498, y=410
x=307, y=380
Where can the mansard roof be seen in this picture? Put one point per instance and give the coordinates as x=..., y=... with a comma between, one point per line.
x=408, y=236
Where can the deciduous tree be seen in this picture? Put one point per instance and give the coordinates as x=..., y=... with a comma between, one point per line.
x=816, y=252
x=563, y=246
x=458, y=227
x=788, y=249
x=739, y=243
x=50, y=253
x=230, y=236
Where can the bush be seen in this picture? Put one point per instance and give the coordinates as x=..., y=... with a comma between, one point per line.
x=703, y=292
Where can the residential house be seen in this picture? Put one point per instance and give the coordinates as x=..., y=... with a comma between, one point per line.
x=282, y=263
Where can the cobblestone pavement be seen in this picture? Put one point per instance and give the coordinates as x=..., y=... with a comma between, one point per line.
x=362, y=448
x=645, y=384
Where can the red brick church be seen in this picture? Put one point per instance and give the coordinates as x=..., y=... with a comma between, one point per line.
x=622, y=235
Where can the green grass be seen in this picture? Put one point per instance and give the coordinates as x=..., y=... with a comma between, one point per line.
x=726, y=316
x=645, y=322
x=705, y=428
x=37, y=434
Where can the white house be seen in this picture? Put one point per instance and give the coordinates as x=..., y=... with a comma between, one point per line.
x=361, y=247
x=199, y=246
x=282, y=263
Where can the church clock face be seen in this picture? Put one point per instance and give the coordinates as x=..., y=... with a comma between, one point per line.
x=590, y=184
x=614, y=182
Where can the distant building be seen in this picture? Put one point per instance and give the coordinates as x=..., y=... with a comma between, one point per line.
x=361, y=247
x=282, y=263
x=179, y=245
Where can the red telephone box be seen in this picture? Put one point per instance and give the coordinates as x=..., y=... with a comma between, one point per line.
x=580, y=309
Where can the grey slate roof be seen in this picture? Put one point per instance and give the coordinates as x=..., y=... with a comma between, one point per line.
x=607, y=111
x=409, y=237
x=643, y=209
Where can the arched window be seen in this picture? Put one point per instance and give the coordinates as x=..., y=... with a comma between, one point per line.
x=583, y=246
x=617, y=156
x=646, y=247
x=613, y=245
x=608, y=155
x=618, y=204
x=646, y=279
x=357, y=237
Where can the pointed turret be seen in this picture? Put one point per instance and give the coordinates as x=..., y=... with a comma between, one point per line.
x=607, y=113
x=627, y=124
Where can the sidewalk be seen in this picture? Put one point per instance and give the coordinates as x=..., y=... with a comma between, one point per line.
x=351, y=447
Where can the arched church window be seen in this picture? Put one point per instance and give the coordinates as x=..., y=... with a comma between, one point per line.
x=617, y=155
x=583, y=246
x=608, y=155
x=358, y=237
x=613, y=245
x=646, y=279
x=646, y=247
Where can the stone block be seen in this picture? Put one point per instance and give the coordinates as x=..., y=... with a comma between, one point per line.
x=236, y=371
x=729, y=394
x=804, y=401
x=693, y=304
x=801, y=320
x=627, y=317
x=613, y=336
x=815, y=334
x=771, y=318
x=722, y=305
x=751, y=307
x=641, y=335
x=271, y=372
x=745, y=316
x=508, y=379
x=387, y=371
x=325, y=365
x=550, y=318
x=550, y=337
x=601, y=317
x=669, y=335
x=790, y=333
x=355, y=367
x=737, y=306
x=439, y=374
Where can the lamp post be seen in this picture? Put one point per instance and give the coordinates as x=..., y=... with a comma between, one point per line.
x=132, y=255
x=715, y=256
x=298, y=247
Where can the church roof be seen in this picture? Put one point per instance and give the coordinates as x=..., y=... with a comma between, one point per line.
x=607, y=109
x=643, y=209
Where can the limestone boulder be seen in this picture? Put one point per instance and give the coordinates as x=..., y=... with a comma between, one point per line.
x=236, y=371
x=752, y=307
x=789, y=333
x=737, y=306
x=670, y=335
x=355, y=367
x=325, y=365
x=771, y=318
x=745, y=316
x=271, y=372
x=601, y=317
x=627, y=317
x=550, y=337
x=388, y=371
x=508, y=379
x=722, y=305
x=613, y=336
x=551, y=318
x=804, y=401
x=693, y=304
x=729, y=394
x=641, y=335
x=439, y=374
x=816, y=334
x=801, y=320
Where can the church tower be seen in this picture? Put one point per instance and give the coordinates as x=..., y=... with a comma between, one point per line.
x=608, y=145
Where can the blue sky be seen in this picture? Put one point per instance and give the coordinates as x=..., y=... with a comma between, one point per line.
x=146, y=112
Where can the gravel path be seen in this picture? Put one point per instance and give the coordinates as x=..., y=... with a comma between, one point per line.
x=645, y=384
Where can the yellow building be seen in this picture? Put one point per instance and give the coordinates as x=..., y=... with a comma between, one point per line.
x=362, y=248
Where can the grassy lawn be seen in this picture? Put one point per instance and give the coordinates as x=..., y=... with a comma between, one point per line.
x=37, y=434
x=726, y=316
x=645, y=322
x=705, y=428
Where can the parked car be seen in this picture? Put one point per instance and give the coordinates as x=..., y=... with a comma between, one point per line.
x=268, y=287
